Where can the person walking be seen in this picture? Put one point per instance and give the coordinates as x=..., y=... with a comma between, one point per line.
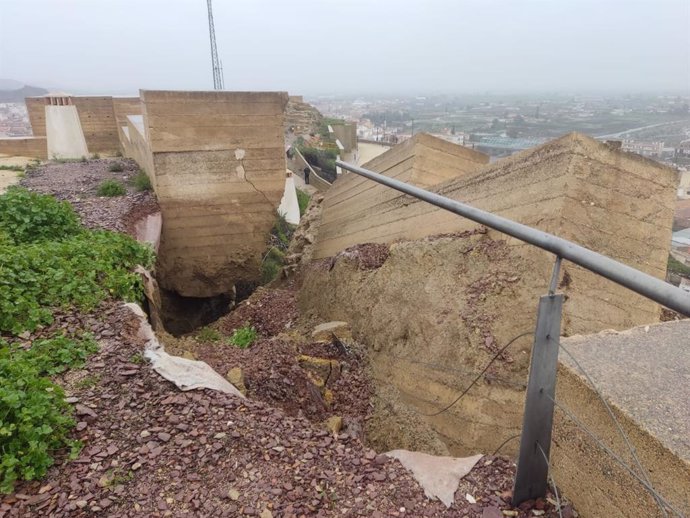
x=306, y=175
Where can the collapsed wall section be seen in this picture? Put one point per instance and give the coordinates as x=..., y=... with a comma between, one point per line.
x=218, y=161
x=357, y=210
x=575, y=187
x=433, y=300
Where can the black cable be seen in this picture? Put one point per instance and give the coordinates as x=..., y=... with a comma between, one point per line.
x=479, y=376
x=506, y=442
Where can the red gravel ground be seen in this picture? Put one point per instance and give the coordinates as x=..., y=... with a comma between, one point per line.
x=269, y=311
x=151, y=450
x=77, y=182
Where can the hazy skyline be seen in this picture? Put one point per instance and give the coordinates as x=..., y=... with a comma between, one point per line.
x=350, y=46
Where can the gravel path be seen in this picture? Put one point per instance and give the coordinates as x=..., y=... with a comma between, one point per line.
x=77, y=182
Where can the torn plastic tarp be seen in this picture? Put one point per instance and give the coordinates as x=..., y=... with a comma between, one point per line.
x=438, y=476
x=185, y=374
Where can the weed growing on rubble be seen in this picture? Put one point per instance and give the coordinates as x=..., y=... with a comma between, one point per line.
x=111, y=188
x=208, y=334
x=35, y=420
x=17, y=168
x=303, y=200
x=116, y=167
x=243, y=337
x=141, y=181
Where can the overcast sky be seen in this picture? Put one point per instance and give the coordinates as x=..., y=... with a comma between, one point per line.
x=350, y=46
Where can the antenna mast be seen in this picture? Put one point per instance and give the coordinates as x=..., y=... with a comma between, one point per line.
x=215, y=63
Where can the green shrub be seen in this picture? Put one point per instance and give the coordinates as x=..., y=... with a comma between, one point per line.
x=243, y=337
x=303, y=200
x=208, y=334
x=80, y=271
x=27, y=217
x=111, y=188
x=48, y=260
x=141, y=181
x=272, y=264
x=35, y=419
x=17, y=168
x=324, y=159
x=116, y=167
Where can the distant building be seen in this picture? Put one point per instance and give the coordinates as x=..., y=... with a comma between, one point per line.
x=648, y=149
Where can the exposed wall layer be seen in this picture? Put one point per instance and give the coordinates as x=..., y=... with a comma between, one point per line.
x=574, y=187
x=219, y=167
x=451, y=301
x=33, y=147
x=98, y=123
x=124, y=106
x=35, y=107
x=642, y=373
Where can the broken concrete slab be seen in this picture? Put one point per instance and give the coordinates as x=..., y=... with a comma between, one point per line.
x=326, y=331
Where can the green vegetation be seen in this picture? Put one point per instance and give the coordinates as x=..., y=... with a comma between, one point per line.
x=675, y=266
x=323, y=126
x=88, y=382
x=272, y=264
x=274, y=259
x=208, y=334
x=141, y=181
x=59, y=160
x=27, y=217
x=17, y=168
x=324, y=159
x=116, y=167
x=33, y=164
x=243, y=337
x=303, y=200
x=137, y=358
x=111, y=188
x=95, y=156
x=48, y=260
x=36, y=420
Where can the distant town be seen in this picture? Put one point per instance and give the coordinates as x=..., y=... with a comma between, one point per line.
x=657, y=127
x=654, y=126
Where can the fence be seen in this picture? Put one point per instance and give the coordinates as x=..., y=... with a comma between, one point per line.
x=532, y=475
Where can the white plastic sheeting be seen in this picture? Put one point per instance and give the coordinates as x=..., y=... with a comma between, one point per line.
x=289, y=206
x=438, y=476
x=185, y=374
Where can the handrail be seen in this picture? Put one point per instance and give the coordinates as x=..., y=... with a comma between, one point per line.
x=631, y=278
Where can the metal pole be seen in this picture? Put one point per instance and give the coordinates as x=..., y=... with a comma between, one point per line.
x=639, y=282
x=531, y=479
